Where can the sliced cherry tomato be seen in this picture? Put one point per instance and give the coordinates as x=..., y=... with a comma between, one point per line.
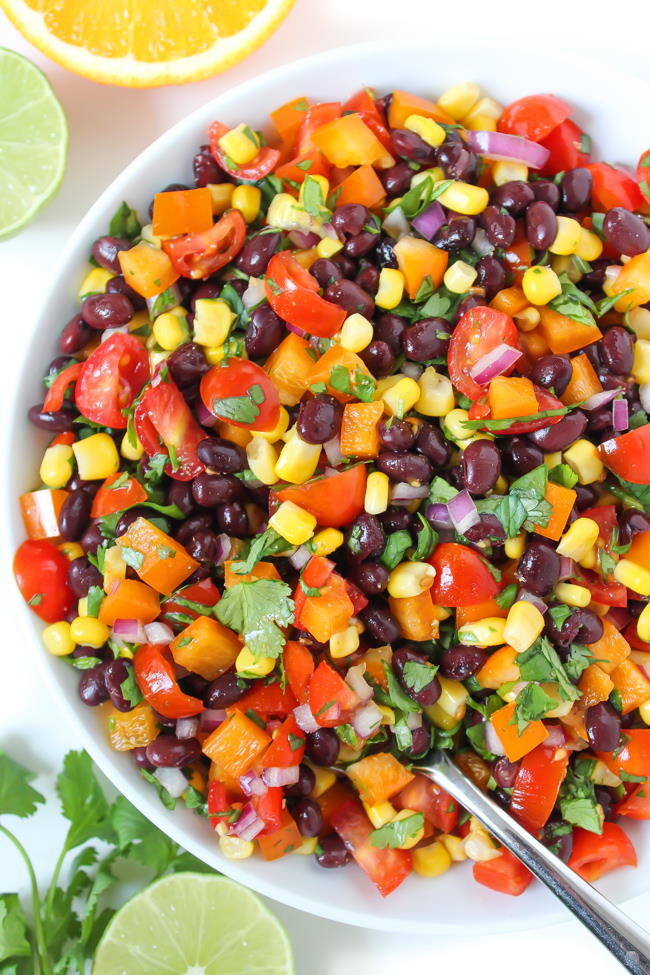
x=241, y=393
x=298, y=666
x=609, y=593
x=478, y=332
x=628, y=456
x=594, y=855
x=423, y=795
x=269, y=809
x=605, y=517
x=263, y=163
x=567, y=145
x=288, y=746
x=534, y=117
x=119, y=491
x=164, y=424
x=333, y=501
x=268, y=700
x=386, y=868
x=330, y=698
x=111, y=378
x=643, y=175
x=505, y=874
x=156, y=679
x=203, y=593
x=634, y=757
x=315, y=116
x=41, y=573
x=63, y=382
x=200, y=255
x=480, y=410
x=292, y=293
x=537, y=786
x=637, y=803
x=611, y=187
x=367, y=107
x=462, y=576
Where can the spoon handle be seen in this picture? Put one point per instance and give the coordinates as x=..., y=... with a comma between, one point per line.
x=629, y=943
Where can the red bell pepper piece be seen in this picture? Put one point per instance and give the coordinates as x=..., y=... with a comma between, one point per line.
x=156, y=679
x=288, y=746
x=504, y=874
x=537, y=786
x=594, y=855
x=330, y=698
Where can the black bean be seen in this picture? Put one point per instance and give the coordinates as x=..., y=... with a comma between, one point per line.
x=390, y=329
x=586, y=496
x=203, y=546
x=56, y=421
x=368, y=279
x=548, y=191
x=405, y=467
x=427, y=339
x=209, y=490
x=322, y=746
x=521, y=456
x=541, y=225
x=168, y=751
x=82, y=575
x=514, y=196
x=410, y=146
x=576, y=189
x=206, y=169
x=351, y=297
x=180, y=494
x=505, y=772
x=308, y=816
x=431, y=442
x=127, y=518
x=256, y=253
x=378, y=358
x=187, y=364
x=395, y=519
x=115, y=673
x=319, y=419
x=105, y=251
x=469, y=301
x=617, y=350
x=221, y=456
x=232, y=519
x=396, y=434
x=304, y=785
x=488, y=526
x=74, y=516
x=349, y=220
x=455, y=235
x=371, y=577
x=91, y=539
x=461, y=662
x=626, y=231
x=326, y=271
x=457, y=162
x=397, y=178
x=75, y=336
x=499, y=227
x=360, y=244
x=106, y=311
x=264, y=332
x=425, y=696
x=603, y=726
x=481, y=466
x=552, y=372
x=538, y=569
x=591, y=625
x=333, y=852
x=92, y=689
x=491, y=276
x=560, y=435
x=384, y=253
x=381, y=625
x=365, y=537
x=118, y=285
x=195, y=523
x=631, y=522
x=226, y=690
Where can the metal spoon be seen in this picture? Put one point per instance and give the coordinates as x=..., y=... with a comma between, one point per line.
x=629, y=943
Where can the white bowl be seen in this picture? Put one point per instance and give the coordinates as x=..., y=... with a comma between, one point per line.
x=606, y=102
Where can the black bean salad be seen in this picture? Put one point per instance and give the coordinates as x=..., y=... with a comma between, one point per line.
x=349, y=459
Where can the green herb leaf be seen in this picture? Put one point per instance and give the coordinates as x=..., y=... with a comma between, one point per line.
x=256, y=610
x=132, y=557
x=165, y=797
x=578, y=804
x=124, y=223
x=427, y=539
x=268, y=543
x=498, y=426
x=162, y=302
x=347, y=735
x=395, y=696
x=563, y=475
x=532, y=704
x=130, y=690
x=17, y=797
x=313, y=201
x=476, y=737
x=417, y=675
x=394, y=835
x=96, y=596
x=14, y=929
x=507, y=596
x=542, y=663
x=397, y=545
x=139, y=839
x=82, y=800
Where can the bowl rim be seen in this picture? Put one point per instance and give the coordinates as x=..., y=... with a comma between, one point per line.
x=116, y=772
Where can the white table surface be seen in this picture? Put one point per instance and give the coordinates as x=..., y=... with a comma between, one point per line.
x=108, y=127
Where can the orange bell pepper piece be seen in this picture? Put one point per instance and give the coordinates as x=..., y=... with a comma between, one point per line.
x=583, y=383
x=416, y=616
x=379, y=777
x=404, y=103
x=288, y=118
x=331, y=800
x=632, y=684
x=564, y=334
x=206, y=647
x=281, y=841
x=595, y=685
x=533, y=344
x=479, y=611
x=510, y=301
x=511, y=396
x=295, y=170
x=40, y=511
x=514, y=744
x=612, y=648
x=561, y=500
x=518, y=256
x=417, y=259
x=147, y=269
x=347, y=141
x=110, y=499
x=640, y=550
x=374, y=661
x=182, y=212
x=288, y=367
x=501, y=667
x=359, y=436
x=337, y=358
x=326, y=614
x=132, y=729
x=236, y=744
x=130, y=600
x=636, y=275
x=263, y=570
x=361, y=186
x=165, y=563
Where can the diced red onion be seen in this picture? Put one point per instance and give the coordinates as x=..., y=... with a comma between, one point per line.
x=252, y=785
x=429, y=222
x=173, y=780
x=187, y=728
x=211, y=718
x=277, y=777
x=204, y=416
x=224, y=548
x=567, y=567
x=130, y=631
x=305, y=719
x=329, y=231
x=510, y=148
x=494, y=363
x=492, y=740
x=303, y=239
x=481, y=245
x=555, y=737
x=158, y=633
x=644, y=396
x=294, y=328
x=403, y=493
x=249, y=824
x=176, y=300
x=412, y=369
x=396, y=225
x=437, y=514
x=414, y=720
x=620, y=414
x=530, y=597
x=602, y=398
x=463, y=511
x=355, y=679
x=366, y=719
x=332, y=450
x=300, y=557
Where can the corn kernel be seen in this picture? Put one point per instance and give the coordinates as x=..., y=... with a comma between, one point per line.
x=541, y=285
x=156, y=357
x=89, y=631
x=501, y=486
x=298, y=460
x=578, y=539
x=414, y=837
x=450, y=706
x=285, y=213
x=505, y=172
x=114, y=567
x=590, y=246
x=641, y=361
x=328, y=247
x=431, y=860
x=523, y=625
x=566, y=264
x=221, y=195
x=376, y=498
x=643, y=624
x=248, y=200
x=638, y=319
x=380, y=814
x=71, y=550
x=514, y=547
x=95, y=282
x=402, y=396
x=388, y=716
x=56, y=466
x=82, y=606
x=527, y=319
x=436, y=393
x=262, y=458
x=635, y=577
x=488, y=632
x=391, y=288
x=464, y=198
x=481, y=123
x=212, y=320
x=97, y=457
x=149, y=237
x=170, y=330
x=584, y=460
x=128, y=451
x=478, y=844
x=571, y=595
x=294, y=524
x=324, y=779
x=235, y=848
x=484, y=110
x=58, y=640
x=459, y=277
x=435, y=173
x=455, y=424
x=601, y=775
x=553, y=459
x=567, y=237
x=459, y=100
x=327, y=541
x=356, y=332
x=241, y=144
x=428, y=130
x=278, y=430
x=247, y=663
x=307, y=847
x=410, y=579
x=454, y=847
x=343, y=643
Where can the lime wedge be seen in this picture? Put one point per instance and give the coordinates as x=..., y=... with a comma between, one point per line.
x=194, y=924
x=33, y=142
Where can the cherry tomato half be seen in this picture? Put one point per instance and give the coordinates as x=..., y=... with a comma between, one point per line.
x=200, y=255
x=643, y=175
x=480, y=410
x=111, y=378
x=41, y=573
x=478, y=332
x=263, y=163
x=292, y=293
x=334, y=501
x=534, y=116
x=628, y=456
x=241, y=393
x=568, y=147
x=162, y=415
x=611, y=187
x=462, y=576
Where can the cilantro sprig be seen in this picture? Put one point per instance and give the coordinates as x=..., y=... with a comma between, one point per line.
x=257, y=610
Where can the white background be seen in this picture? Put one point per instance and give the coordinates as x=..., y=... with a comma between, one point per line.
x=108, y=127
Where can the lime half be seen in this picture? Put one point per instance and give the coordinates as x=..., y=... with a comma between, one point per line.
x=194, y=924
x=33, y=142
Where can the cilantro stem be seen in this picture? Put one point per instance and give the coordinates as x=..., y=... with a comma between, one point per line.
x=49, y=899
x=41, y=950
